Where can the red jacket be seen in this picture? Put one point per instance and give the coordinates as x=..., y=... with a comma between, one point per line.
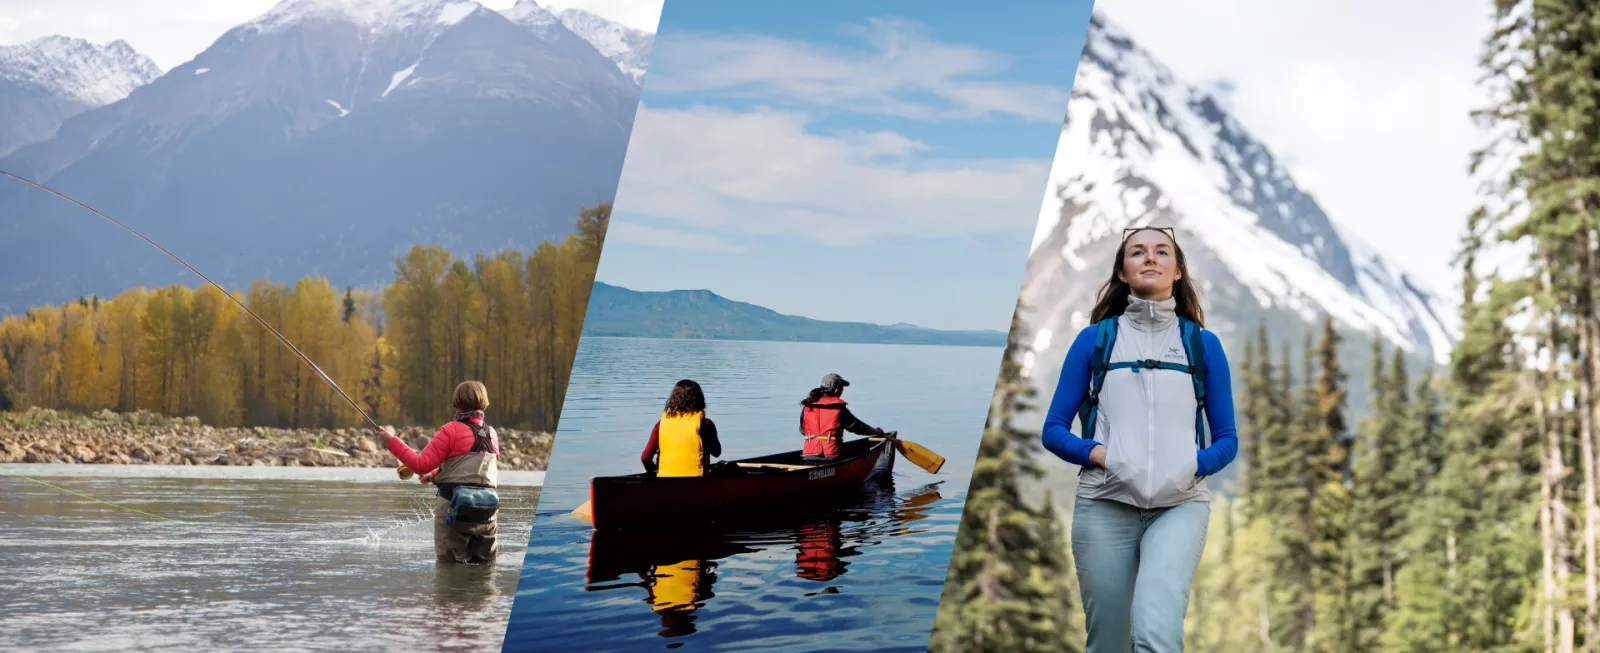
x=453, y=439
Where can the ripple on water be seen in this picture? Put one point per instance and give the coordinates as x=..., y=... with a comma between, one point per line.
x=277, y=565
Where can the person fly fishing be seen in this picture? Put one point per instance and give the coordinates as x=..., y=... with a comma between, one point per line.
x=824, y=417
x=463, y=462
x=684, y=440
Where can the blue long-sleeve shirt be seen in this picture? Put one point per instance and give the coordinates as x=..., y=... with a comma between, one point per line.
x=1073, y=389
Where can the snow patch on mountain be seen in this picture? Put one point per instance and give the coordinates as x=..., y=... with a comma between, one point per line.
x=378, y=16
x=399, y=77
x=625, y=46
x=1142, y=147
x=95, y=75
x=531, y=15
x=630, y=48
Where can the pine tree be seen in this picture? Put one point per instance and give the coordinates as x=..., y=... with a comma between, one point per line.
x=1372, y=498
x=1328, y=446
x=1005, y=589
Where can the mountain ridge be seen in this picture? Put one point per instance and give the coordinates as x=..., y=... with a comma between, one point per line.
x=48, y=80
x=307, y=142
x=1140, y=147
x=701, y=314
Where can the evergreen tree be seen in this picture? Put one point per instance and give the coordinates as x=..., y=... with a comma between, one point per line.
x=1006, y=589
x=349, y=305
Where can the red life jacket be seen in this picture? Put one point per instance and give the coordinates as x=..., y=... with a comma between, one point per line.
x=820, y=422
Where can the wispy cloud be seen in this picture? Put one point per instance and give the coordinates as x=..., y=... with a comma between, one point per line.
x=630, y=231
x=903, y=71
x=763, y=173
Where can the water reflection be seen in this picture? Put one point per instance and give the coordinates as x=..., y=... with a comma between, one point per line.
x=675, y=570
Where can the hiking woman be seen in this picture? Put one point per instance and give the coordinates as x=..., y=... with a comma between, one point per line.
x=824, y=417
x=684, y=440
x=462, y=460
x=1140, y=379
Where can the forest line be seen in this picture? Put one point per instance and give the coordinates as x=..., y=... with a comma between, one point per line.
x=510, y=319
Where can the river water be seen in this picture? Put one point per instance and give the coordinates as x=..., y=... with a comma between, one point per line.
x=258, y=559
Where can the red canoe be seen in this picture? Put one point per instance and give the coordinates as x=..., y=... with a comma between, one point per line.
x=737, y=487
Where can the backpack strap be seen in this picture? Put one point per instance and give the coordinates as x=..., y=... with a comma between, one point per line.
x=1195, y=348
x=1105, y=340
x=481, y=440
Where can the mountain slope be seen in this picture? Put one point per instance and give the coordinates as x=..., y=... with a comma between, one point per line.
x=627, y=47
x=701, y=314
x=48, y=80
x=324, y=137
x=1141, y=147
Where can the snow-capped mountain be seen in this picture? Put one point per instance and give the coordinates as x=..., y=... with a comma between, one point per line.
x=45, y=81
x=324, y=137
x=1141, y=147
x=629, y=48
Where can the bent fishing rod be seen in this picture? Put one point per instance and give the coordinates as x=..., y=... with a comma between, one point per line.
x=229, y=295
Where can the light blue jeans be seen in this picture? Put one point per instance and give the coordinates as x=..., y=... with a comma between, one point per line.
x=1134, y=570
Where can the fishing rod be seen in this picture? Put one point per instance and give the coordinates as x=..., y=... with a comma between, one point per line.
x=225, y=292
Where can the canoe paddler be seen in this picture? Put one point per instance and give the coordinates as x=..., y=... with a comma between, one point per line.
x=462, y=460
x=824, y=417
x=684, y=440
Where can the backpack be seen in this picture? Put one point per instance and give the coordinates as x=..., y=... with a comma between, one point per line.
x=1101, y=363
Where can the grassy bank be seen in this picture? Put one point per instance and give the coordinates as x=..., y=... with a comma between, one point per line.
x=49, y=436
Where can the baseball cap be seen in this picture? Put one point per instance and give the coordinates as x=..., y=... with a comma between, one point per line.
x=832, y=381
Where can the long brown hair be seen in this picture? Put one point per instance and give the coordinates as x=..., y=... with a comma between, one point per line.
x=686, y=399
x=1113, y=299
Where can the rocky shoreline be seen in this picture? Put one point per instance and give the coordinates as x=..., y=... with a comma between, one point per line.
x=48, y=436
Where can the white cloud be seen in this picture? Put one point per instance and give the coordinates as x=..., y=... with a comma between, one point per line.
x=628, y=231
x=763, y=173
x=1367, y=101
x=902, y=67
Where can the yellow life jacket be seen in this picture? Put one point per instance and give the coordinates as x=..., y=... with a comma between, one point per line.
x=682, y=451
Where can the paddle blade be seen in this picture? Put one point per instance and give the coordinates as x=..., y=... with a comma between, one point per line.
x=919, y=455
x=585, y=512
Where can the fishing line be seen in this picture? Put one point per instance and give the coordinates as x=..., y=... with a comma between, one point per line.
x=114, y=505
x=229, y=295
x=225, y=292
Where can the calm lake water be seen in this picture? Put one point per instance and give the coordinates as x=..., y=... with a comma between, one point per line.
x=862, y=576
x=261, y=559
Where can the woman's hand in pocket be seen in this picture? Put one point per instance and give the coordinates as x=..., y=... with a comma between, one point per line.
x=1097, y=456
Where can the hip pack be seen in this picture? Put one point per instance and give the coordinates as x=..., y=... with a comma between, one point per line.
x=471, y=504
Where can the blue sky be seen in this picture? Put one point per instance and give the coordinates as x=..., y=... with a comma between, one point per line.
x=880, y=162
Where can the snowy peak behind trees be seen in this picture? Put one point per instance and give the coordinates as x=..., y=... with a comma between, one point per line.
x=1141, y=147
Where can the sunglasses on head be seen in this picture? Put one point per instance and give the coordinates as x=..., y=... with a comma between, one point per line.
x=1166, y=230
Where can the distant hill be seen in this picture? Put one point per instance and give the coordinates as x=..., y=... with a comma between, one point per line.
x=702, y=314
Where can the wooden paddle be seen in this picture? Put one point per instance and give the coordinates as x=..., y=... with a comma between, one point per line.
x=918, y=455
x=585, y=512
